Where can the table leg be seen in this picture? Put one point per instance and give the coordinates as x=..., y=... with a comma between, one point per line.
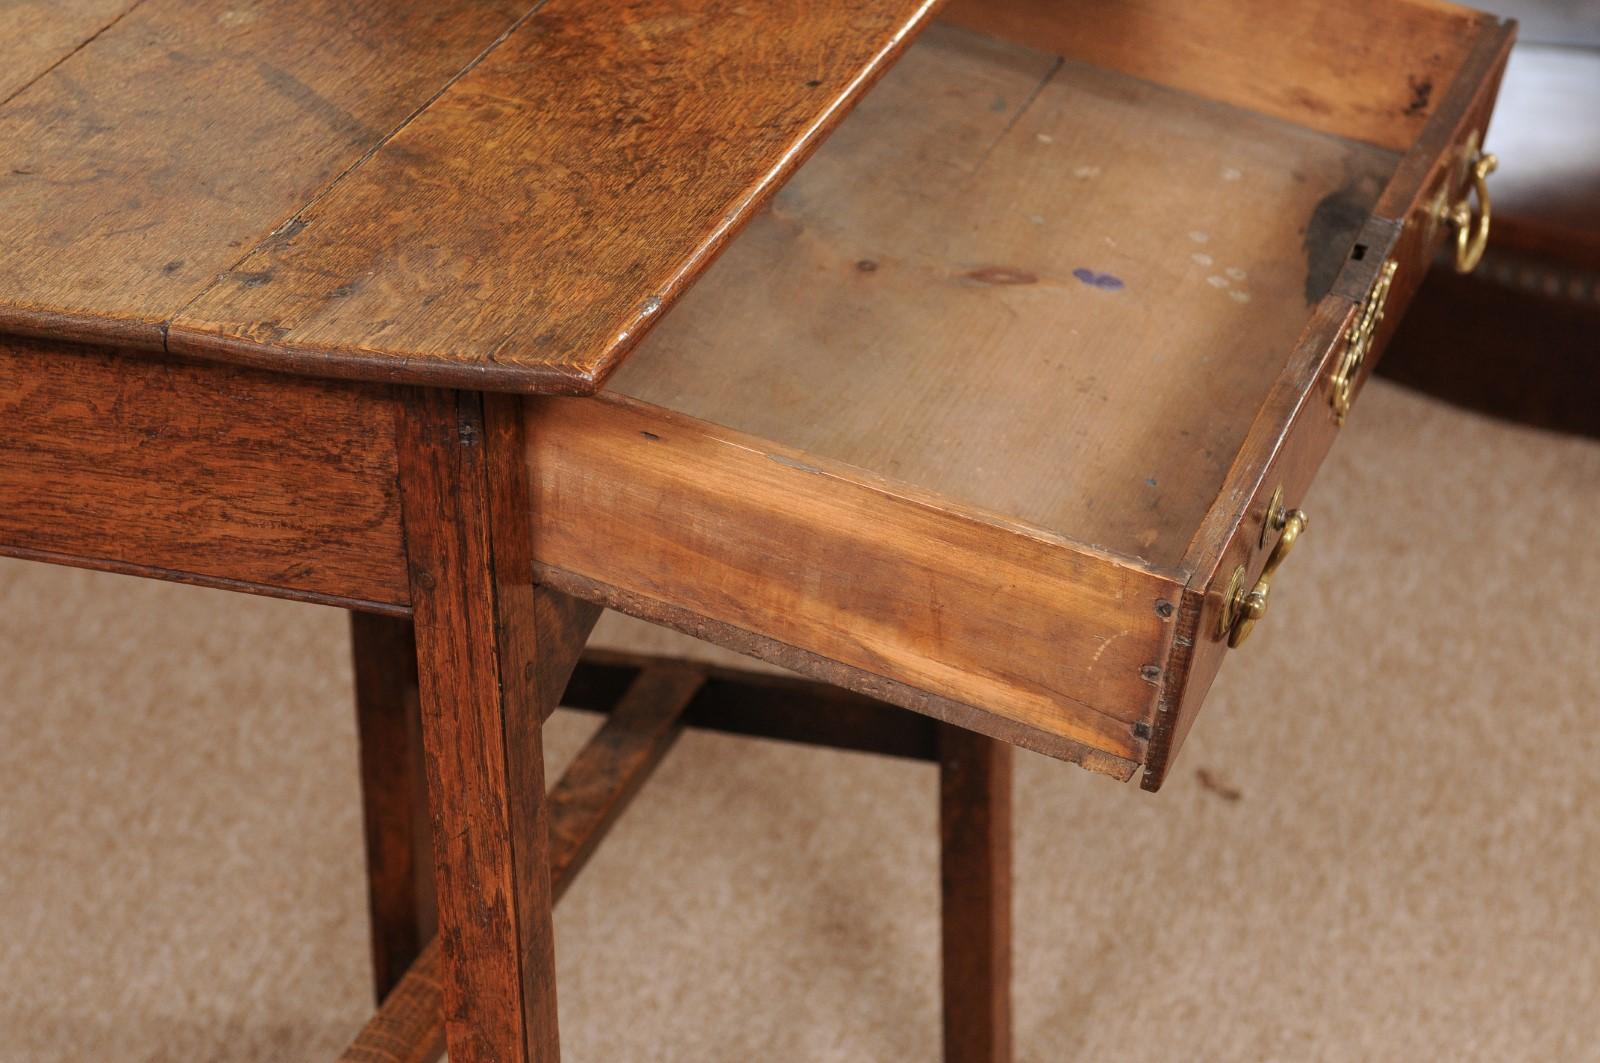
x=463, y=496
x=394, y=795
x=975, y=866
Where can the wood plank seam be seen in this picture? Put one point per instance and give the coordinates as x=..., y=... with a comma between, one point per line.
x=283, y=308
x=80, y=46
x=277, y=231
x=1016, y=116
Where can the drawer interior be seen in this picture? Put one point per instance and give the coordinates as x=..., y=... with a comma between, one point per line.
x=1044, y=289
x=1002, y=404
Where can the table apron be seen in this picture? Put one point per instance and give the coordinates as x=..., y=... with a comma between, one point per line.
x=201, y=474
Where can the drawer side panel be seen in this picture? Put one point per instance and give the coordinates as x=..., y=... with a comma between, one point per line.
x=706, y=523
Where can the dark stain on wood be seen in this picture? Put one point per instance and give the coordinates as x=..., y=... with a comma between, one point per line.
x=1108, y=281
x=1332, y=229
x=1421, y=94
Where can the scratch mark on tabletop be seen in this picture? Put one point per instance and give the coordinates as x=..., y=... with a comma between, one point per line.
x=1104, y=645
x=1002, y=275
x=785, y=460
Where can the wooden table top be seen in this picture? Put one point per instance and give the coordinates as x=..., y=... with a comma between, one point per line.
x=501, y=195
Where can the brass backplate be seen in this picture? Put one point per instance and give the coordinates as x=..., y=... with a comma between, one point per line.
x=1358, y=341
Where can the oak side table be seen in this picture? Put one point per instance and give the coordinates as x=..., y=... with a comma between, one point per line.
x=990, y=415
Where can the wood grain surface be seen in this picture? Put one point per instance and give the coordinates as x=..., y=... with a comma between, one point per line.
x=868, y=573
x=975, y=843
x=758, y=705
x=409, y=1026
x=611, y=768
x=857, y=680
x=1044, y=290
x=465, y=500
x=1374, y=72
x=526, y=229
x=583, y=805
x=35, y=35
x=156, y=156
x=209, y=474
x=394, y=796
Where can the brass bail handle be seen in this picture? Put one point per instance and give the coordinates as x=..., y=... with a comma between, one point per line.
x=1472, y=238
x=1245, y=608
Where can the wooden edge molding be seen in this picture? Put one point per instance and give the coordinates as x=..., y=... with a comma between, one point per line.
x=601, y=223
x=409, y=1026
x=194, y=579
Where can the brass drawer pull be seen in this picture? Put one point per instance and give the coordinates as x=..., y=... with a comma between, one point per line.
x=1241, y=609
x=1472, y=238
x=1358, y=342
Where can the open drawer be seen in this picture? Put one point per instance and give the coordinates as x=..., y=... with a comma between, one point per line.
x=1003, y=409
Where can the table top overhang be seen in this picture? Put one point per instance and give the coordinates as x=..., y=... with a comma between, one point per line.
x=501, y=195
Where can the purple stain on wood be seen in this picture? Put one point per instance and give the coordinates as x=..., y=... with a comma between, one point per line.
x=1109, y=281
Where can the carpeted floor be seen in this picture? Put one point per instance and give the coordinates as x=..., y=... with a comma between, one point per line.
x=1393, y=857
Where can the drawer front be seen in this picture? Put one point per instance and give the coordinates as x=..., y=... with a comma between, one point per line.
x=1301, y=418
x=200, y=474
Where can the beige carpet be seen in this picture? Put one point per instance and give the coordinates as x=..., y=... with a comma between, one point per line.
x=1409, y=870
